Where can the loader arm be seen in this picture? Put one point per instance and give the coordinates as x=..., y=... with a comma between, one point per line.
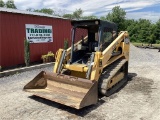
x=105, y=58
x=119, y=42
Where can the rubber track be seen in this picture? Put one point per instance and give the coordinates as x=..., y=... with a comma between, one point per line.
x=107, y=75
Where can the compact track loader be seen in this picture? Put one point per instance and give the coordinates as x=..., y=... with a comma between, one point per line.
x=96, y=64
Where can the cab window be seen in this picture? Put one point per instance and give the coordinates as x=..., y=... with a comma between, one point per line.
x=107, y=38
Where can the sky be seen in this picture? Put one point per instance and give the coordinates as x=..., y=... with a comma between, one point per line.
x=135, y=9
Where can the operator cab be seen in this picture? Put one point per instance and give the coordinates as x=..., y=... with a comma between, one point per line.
x=95, y=35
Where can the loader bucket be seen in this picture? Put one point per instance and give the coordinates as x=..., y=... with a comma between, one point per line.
x=68, y=90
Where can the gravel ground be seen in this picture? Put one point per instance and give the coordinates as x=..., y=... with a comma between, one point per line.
x=137, y=100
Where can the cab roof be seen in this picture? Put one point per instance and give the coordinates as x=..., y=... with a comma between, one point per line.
x=95, y=22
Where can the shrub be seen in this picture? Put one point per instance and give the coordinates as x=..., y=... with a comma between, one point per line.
x=65, y=44
x=0, y=68
x=50, y=54
x=49, y=57
x=157, y=41
x=26, y=52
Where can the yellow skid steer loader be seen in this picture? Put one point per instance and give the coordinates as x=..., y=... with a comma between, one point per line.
x=97, y=64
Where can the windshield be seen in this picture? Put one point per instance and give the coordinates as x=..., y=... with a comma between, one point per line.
x=86, y=34
x=87, y=38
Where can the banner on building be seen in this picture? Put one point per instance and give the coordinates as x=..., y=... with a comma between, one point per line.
x=39, y=33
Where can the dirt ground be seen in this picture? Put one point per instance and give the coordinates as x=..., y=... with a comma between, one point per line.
x=139, y=99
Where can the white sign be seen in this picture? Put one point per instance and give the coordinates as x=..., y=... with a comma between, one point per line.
x=39, y=33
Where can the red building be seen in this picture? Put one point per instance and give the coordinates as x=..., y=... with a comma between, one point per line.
x=13, y=33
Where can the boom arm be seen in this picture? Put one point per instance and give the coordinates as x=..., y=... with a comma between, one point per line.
x=107, y=53
x=103, y=59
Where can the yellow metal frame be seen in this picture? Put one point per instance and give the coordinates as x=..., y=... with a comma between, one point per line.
x=105, y=57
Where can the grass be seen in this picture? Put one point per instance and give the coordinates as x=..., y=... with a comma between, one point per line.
x=140, y=44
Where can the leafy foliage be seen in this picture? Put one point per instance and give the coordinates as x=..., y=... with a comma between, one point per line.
x=26, y=52
x=91, y=17
x=2, y=4
x=46, y=11
x=69, y=16
x=78, y=14
x=141, y=30
x=43, y=10
x=10, y=4
x=117, y=16
x=157, y=31
x=65, y=44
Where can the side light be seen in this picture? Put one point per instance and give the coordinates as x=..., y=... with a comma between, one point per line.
x=96, y=22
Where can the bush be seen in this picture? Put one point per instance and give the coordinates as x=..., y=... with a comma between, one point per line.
x=48, y=57
x=26, y=52
x=157, y=41
x=65, y=44
x=0, y=68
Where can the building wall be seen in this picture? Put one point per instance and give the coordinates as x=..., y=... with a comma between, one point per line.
x=12, y=34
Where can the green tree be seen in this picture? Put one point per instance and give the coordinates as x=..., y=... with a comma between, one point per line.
x=78, y=13
x=45, y=10
x=132, y=28
x=146, y=31
x=91, y=17
x=141, y=30
x=69, y=16
x=103, y=18
x=117, y=16
x=152, y=34
x=2, y=4
x=157, y=31
x=10, y=4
